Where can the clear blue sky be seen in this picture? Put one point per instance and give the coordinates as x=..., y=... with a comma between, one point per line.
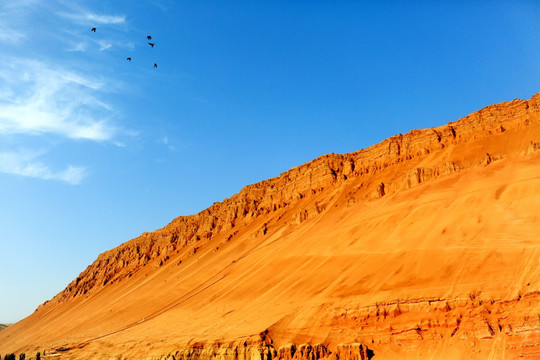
x=95, y=150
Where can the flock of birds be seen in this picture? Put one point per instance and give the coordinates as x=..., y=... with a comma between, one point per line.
x=147, y=38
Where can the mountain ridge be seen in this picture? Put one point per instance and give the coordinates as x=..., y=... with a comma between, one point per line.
x=261, y=198
x=423, y=244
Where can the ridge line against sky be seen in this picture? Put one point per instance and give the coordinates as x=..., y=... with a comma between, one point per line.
x=95, y=149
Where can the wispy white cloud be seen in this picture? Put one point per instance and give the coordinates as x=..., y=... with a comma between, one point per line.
x=80, y=47
x=25, y=163
x=87, y=17
x=48, y=101
x=38, y=99
x=105, y=19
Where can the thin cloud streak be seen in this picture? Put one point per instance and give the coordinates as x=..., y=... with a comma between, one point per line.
x=79, y=47
x=91, y=18
x=24, y=163
x=105, y=19
x=10, y=36
x=104, y=45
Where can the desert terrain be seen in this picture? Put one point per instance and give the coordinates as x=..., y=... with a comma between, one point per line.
x=424, y=246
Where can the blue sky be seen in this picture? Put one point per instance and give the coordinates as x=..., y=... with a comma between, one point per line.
x=95, y=150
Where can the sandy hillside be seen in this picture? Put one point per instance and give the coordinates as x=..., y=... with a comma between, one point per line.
x=424, y=246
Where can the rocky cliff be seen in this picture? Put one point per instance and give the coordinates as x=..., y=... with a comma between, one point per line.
x=422, y=246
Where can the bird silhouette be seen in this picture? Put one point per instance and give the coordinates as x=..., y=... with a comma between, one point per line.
x=128, y=59
x=155, y=66
x=149, y=37
x=93, y=29
x=151, y=44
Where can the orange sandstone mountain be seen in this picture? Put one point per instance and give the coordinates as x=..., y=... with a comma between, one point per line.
x=424, y=246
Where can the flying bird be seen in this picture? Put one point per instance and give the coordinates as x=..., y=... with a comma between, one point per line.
x=93, y=29
x=155, y=66
x=151, y=44
x=128, y=59
x=149, y=37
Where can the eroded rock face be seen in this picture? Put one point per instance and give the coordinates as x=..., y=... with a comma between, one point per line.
x=353, y=351
x=325, y=172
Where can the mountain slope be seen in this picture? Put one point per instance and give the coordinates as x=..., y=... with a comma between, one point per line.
x=425, y=244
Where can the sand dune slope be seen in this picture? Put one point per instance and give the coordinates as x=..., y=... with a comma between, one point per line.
x=425, y=246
